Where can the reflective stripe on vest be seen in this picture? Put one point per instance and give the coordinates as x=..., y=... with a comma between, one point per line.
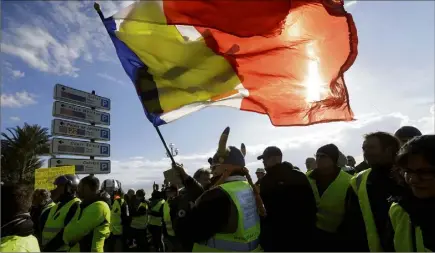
x=331, y=205
x=246, y=237
x=155, y=220
x=115, y=217
x=140, y=222
x=359, y=185
x=167, y=219
x=55, y=222
x=403, y=231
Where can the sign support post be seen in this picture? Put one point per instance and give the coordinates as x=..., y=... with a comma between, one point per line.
x=80, y=106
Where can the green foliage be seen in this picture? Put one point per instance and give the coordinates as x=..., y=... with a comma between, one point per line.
x=21, y=148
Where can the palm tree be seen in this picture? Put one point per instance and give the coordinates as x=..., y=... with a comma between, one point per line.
x=21, y=148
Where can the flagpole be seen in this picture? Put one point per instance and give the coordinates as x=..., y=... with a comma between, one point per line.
x=164, y=144
x=100, y=13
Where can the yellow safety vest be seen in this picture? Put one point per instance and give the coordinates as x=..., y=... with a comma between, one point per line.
x=154, y=220
x=248, y=229
x=167, y=219
x=15, y=243
x=115, y=217
x=140, y=222
x=359, y=185
x=331, y=205
x=99, y=233
x=55, y=222
x=403, y=241
x=48, y=207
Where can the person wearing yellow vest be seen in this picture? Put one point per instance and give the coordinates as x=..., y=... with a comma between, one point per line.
x=310, y=163
x=41, y=203
x=16, y=222
x=54, y=221
x=365, y=223
x=139, y=222
x=118, y=223
x=227, y=216
x=170, y=239
x=412, y=216
x=90, y=226
x=329, y=183
x=155, y=217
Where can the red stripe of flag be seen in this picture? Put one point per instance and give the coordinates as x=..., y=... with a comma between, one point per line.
x=273, y=68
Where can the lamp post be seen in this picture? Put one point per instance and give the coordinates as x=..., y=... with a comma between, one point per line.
x=173, y=150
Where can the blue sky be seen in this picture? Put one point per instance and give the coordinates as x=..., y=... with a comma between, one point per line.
x=391, y=84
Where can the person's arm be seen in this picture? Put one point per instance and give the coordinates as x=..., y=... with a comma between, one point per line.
x=124, y=214
x=141, y=211
x=193, y=188
x=92, y=217
x=57, y=241
x=352, y=230
x=207, y=217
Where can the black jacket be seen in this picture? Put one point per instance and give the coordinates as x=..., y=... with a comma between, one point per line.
x=20, y=225
x=180, y=207
x=291, y=210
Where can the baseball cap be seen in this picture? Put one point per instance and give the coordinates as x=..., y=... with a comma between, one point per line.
x=269, y=152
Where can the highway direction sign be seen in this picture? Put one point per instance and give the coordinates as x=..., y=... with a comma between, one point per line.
x=83, y=114
x=73, y=129
x=83, y=166
x=81, y=148
x=68, y=94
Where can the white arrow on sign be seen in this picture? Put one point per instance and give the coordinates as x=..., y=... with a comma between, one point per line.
x=83, y=166
x=79, y=113
x=68, y=94
x=81, y=148
x=78, y=130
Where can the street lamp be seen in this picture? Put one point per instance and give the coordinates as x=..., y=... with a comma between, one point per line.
x=173, y=150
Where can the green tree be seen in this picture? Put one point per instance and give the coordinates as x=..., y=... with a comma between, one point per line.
x=21, y=148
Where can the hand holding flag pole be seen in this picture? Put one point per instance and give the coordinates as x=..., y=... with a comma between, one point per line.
x=100, y=13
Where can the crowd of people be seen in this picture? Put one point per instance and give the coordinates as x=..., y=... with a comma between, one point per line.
x=386, y=203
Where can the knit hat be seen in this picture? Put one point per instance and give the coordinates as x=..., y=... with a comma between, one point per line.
x=331, y=151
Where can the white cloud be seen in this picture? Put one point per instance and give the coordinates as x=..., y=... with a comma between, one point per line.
x=17, y=74
x=111, y=78
x=18, y=99
x=14, y=118
x=139, y=172
x=54, y=43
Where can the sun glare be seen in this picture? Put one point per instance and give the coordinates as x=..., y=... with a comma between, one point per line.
x=314, y=85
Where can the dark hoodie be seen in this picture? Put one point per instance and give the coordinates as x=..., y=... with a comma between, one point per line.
x=20, y=225
x=291, y=210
